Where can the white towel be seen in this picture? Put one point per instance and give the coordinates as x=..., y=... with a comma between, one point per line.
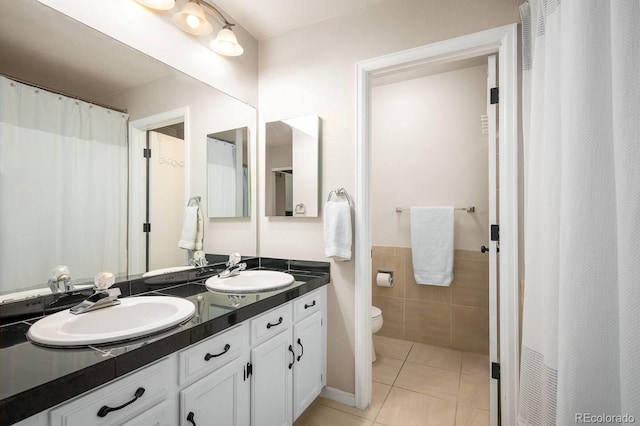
x=192, y=229
x=432, y=245
x=337, y=230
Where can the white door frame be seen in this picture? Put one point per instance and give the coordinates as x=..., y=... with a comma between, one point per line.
x=502, y=40
x=137, y=177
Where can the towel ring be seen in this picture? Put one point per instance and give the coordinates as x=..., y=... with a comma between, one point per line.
x=340, y=192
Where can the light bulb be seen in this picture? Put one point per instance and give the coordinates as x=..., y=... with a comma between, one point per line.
x=193, y=21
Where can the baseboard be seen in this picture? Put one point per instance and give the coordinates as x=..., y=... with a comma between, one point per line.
x=339, y=396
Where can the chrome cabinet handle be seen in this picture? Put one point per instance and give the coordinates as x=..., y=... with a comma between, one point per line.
x=104, y=410
x=208, y=356
x=300, y=208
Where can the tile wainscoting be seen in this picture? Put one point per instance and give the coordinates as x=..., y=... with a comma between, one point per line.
x=455, y=317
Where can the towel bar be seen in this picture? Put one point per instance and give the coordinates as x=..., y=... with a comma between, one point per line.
x=470, y=209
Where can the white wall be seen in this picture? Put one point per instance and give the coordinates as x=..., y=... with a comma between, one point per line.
x=312, y=71
x=155, y=34
x=428, y=150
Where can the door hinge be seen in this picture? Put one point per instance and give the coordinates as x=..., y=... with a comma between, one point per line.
x=495, y=370
x=146, y=227
x=146, y=152
x=494, y=95
x=495, y=232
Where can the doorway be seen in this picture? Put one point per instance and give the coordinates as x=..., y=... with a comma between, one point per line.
x=165, y=195
x=502, y=41
x=141, y=211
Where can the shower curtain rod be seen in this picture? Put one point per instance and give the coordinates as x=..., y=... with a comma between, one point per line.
x=59, y=92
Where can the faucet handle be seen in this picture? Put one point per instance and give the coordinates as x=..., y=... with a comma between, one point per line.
x=234, y=259
x=103, y=281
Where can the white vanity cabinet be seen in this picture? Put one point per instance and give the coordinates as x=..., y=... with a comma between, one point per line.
x=122, y=401
x=288, y=364
x=221, y=397
x=262, y=372
x=222, y=392
x=272, y=361
x=310, y=343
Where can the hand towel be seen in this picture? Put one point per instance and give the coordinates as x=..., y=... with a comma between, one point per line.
x=190, y=228
x=432, y=244
x=337, y=230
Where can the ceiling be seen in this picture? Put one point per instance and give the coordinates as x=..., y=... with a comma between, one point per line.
x=266, y=19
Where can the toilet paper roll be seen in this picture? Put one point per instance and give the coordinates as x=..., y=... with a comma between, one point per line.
x=384, y=279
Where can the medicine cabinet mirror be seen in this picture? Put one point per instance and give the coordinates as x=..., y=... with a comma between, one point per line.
x=228, y=173
x=292, y=166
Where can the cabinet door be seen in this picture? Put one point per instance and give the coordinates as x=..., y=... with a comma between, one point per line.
x=220, y=398
x=308, y=373
x=271, y=391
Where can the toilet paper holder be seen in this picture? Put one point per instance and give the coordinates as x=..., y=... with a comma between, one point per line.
x=383, y=271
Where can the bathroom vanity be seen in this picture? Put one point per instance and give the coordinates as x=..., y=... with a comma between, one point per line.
x=252, y=359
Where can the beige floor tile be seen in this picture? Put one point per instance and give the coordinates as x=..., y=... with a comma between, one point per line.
x=474, y=391
x=385, y=370
x=379, y=392
x=468, y=416
x=429, y=381
x=321, y=415
x=435, y=356
x=406, y=408
x=392, y=348
x=475, y=364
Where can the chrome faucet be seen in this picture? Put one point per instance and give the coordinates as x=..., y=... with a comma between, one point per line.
x=60, y=279
x=102, y=296
x=234, y=267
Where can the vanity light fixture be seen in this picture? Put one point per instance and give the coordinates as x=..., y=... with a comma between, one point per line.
x=192, y=19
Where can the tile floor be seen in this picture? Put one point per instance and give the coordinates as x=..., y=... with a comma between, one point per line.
x=415, y=384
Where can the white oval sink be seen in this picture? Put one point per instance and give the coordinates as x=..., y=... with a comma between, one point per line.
x=250, y=282
x=134, y=317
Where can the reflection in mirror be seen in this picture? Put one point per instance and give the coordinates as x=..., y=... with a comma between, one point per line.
x=114, y=74
x=228, y=173
x=292, y=166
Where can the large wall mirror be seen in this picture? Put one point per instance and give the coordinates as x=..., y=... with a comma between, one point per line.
x=76, y=61
x=228, y=173
x=292, y=167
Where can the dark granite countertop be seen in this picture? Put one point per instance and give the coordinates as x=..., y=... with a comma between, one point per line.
x=34, y=378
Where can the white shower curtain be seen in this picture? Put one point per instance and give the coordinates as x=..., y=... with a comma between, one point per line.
x=63, y=186
x=580, y=359
x=222, y=178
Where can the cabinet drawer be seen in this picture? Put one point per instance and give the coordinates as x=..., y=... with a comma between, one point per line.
x=141, y=390
x=212, y=353
x=270, y=323
x=306, y=305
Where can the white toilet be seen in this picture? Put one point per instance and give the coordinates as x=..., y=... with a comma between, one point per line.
x=376, y=325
